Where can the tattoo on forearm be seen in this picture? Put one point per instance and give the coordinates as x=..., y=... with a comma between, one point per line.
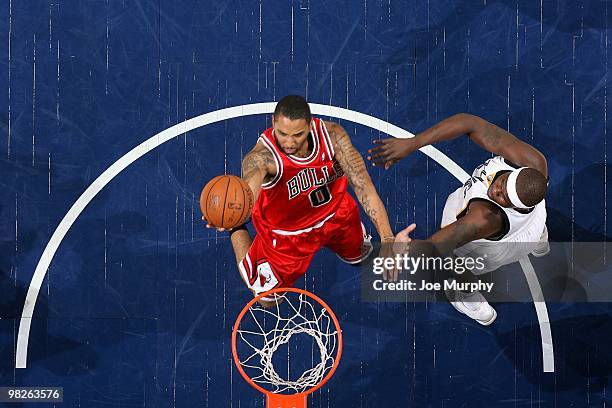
x=369, y=209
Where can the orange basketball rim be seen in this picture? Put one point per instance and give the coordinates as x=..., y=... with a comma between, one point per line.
x=274, y=398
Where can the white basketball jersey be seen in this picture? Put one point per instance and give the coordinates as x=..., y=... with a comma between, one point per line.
x=521, y=232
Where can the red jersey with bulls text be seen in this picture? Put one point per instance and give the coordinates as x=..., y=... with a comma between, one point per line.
x=305, y=190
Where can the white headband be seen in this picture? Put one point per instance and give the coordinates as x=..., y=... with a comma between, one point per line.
x=511, y=190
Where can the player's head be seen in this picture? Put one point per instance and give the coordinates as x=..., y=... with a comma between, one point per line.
x=293, y=107
x=522, y=188
x=291, y=123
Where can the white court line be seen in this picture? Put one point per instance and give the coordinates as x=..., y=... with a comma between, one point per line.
x=194, y=123
x=548, y=355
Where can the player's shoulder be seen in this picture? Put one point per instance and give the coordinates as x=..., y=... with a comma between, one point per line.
x=265, y=145
x=483, y=217
x=262, y=158
x=494, y=164
x=329, y=125
x=336, y=132
x=483, y=210
x=262, y=155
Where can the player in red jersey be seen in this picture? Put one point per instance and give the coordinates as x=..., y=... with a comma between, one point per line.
x=299, y=171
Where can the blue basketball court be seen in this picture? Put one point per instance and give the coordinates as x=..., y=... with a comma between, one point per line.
x=115, y=114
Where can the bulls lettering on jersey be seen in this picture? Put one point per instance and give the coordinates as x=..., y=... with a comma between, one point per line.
x=305, y=190
x=313, y=177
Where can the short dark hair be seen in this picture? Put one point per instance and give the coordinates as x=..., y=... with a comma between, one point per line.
x=293, y=107
x=531, y=186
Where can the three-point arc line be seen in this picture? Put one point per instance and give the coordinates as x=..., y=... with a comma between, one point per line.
x=230, y=113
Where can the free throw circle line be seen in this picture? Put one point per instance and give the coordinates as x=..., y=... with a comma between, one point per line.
x=170, y=133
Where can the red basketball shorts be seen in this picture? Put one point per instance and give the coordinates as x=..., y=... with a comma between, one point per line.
x=278, y=258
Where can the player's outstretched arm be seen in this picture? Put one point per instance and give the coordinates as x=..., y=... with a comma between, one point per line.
x=496, y=140
x=257, y=166
x=354, y=167
x=481, y=221
x=487, y=135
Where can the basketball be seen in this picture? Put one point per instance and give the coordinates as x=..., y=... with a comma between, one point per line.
x=226, y=201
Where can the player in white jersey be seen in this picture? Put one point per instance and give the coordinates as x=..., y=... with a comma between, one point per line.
x=522, y=228
x=502, y=202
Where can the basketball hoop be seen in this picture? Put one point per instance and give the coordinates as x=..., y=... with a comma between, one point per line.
x=259, y=332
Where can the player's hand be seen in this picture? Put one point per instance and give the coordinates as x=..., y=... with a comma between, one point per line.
x=401, y=245
x=390, y=151
x=402, y=240
x=386, y=251
x=211, y=226
x=404, y=235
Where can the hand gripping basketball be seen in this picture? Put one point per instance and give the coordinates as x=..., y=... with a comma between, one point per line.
x=226, y=201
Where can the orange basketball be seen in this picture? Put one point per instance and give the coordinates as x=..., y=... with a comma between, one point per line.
x=226, y=201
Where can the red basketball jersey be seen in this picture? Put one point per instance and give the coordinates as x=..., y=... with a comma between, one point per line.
x=305, y=191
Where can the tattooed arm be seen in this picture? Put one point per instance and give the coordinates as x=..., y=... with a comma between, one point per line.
x=354, y=167
x=485, y=134
x=258, y=166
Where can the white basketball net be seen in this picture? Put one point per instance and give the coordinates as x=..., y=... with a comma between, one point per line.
x=301, y=316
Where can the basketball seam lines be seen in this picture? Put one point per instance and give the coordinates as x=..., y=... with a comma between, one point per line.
x=225, y=202
x=243, y=202
x=207, y=195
